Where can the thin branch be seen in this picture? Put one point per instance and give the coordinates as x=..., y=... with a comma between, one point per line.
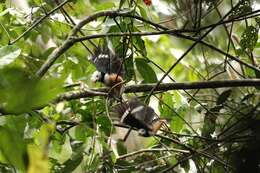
x=151, y=150
x=80, y=94
x=162, y=87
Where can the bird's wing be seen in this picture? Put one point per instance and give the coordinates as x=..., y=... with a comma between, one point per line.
x=101, y=59
x=130, y=113
x=141, y=111
x=116, y=65
x=107, y=61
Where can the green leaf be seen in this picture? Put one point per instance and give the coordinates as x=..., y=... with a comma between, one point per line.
x=177, y=122
x=166, y=105
x=145, y=70
x=257, y=45
x=72, y=163
x=38, y=162
x=20, y=92
x=13, y=148
x=223, y=97
x=111, y=27
x=121, y=148
x=185, y=165
x=139, y=43
x=249, y=38
x=80, y=132
x=142, y=12
x=105, y=124
x=8, y=54
x=105, y=5
x=168, y=110
x=129, y=66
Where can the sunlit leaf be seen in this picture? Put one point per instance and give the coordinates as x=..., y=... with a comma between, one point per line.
x=72, y=163
x=13, y=148
x=38, y=160
x=8, y=54
x=21, y=92
x=105, y=5
x=166, y=105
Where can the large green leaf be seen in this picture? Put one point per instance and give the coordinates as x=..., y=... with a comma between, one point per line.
x=20, y=92
x=13, y=148
x=72, y=163
x=166, y=106
x=8, y=54
x=145, y=70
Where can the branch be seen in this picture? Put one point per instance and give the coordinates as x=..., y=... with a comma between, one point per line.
x=151, y=150
x=162, y=87
x=81, y=94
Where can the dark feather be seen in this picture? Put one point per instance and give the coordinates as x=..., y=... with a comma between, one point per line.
x=106, y=61
x=136, y=114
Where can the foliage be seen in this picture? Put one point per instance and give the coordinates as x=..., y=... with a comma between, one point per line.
x=208, y=130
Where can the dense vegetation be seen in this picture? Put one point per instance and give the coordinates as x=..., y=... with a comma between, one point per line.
x=200, y=59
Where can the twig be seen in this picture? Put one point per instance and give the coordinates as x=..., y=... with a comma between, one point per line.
x=151, y=150
x=79, y=94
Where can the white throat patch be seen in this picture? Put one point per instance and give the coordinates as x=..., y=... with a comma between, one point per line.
x=96, y=76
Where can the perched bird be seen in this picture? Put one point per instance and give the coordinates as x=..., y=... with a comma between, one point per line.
x=140, y=116
x=109, y=68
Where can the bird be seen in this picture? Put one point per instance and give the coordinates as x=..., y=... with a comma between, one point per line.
x=109, y=69
x=138, y=115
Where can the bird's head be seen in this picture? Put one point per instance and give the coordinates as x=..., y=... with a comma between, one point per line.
x=97, y=76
